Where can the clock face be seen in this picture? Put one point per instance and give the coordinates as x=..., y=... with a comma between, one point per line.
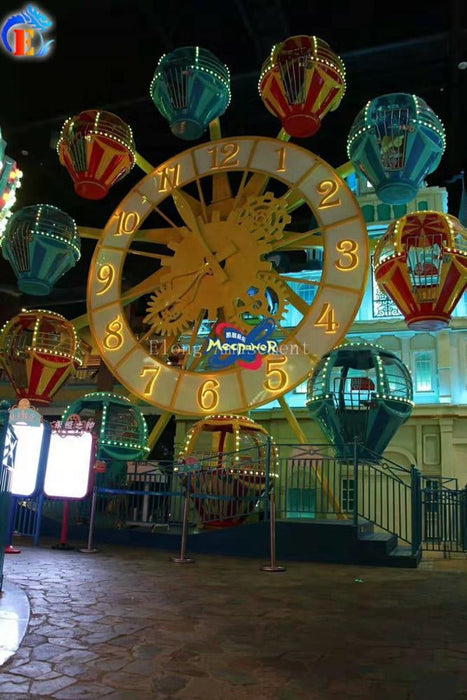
x=215, y=334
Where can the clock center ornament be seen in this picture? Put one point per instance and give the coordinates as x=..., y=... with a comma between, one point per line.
x=220, y=266
x=225, y=327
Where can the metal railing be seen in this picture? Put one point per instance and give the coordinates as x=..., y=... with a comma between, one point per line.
x=444, y=519
x=314, y=484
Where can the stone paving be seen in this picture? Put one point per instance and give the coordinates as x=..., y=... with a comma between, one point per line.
x=128, y=623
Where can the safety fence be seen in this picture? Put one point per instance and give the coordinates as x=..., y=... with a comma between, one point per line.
x=316, y=484
x=308, y=482
x=444, y=518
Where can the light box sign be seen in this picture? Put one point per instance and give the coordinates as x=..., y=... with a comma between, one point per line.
x=31, y=449
x=71, y=458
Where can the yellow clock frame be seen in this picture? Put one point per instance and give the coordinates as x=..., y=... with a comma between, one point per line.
x=341, y=232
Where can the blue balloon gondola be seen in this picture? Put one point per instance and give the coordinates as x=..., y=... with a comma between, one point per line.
x=395, y=141
x=190, y=88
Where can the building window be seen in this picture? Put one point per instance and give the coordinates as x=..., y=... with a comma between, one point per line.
x=383, y=306
x=348, y=494
x=307, y=292
x=424, y=371
x=301, y=388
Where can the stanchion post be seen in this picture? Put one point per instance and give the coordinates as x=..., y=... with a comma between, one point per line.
x=38, y=521
x=90, y=549
x=63, y=544
x=182, y=559
x=9, y=548
x=355, y=482
x=272, y=538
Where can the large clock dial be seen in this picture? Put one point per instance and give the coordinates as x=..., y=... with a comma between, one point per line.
x=215, y=219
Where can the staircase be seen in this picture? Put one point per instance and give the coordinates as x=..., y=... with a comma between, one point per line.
x=341, y=542
x=382, y=548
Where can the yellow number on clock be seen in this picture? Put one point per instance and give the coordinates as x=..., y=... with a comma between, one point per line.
x=348, y=248
x=169, y=178
x=106, y=275
x=328, y=188
x=228, y=151
x=208, y=396
x=281, y=160
x=153, y=372
x=327, y=319
x=128, y=222
x=114, y=338
x=277, y=378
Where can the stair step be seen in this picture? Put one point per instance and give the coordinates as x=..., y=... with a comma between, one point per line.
x=377, y=537
x=401, y=551
x=402, y=556
x=376, y=545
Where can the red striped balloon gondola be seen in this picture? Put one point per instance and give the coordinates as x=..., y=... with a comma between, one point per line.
x=421, y=263
x=300, y=82
x=39, y=350
x=97, y=148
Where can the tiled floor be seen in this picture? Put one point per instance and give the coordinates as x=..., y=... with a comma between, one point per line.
x=128, y=623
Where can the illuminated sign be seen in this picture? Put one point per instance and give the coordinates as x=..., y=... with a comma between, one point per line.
x=70, y=460
x=31, y=449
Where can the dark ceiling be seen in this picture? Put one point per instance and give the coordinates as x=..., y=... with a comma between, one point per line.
x=105, y=56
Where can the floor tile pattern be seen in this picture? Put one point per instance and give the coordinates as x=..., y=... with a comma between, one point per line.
x=129, y=624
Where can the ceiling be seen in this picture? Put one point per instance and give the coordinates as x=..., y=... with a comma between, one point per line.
x=106, y=52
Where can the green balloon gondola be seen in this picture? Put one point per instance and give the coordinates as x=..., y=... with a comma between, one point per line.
x=360, y=391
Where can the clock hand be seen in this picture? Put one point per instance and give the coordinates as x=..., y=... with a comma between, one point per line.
x=185, y=207
x=196, y=225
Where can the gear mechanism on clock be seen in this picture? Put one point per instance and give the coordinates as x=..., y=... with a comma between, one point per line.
x=220, y=267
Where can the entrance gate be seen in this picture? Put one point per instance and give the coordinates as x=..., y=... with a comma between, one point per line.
x=444, y=519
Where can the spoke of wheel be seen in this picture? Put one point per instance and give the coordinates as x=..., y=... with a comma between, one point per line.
x=296, y=300
x=255, y=187
x=187, y=206
x=241, y=190
x=292, y=238
x=215, y=132
x=145, y=287
x=88, y=232
x=221, y=188
x=145, y=254
x=80, y=322
x=301, y=280
x=220, y=181
x=312, y=242
x=193, y=337
x=345, y=169
x=143, y=164
x=294, y=200
x=158, y=429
